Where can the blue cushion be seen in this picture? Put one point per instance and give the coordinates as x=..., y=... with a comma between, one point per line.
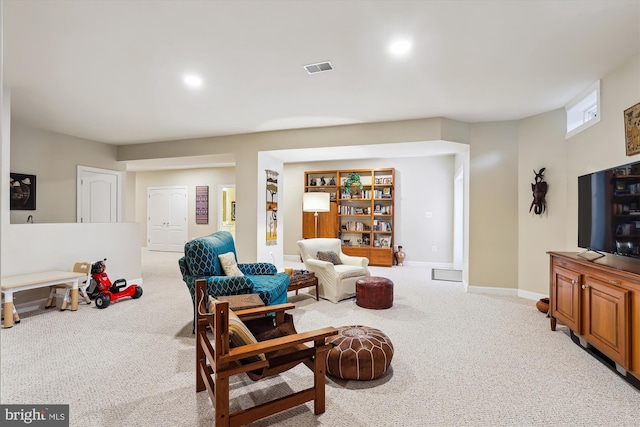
x=271, y=289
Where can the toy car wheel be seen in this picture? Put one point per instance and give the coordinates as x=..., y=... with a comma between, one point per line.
x=137, y=293
x=102, y=301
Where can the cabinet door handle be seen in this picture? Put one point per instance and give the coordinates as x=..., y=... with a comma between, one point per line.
x=574, y=282
x=585, y=286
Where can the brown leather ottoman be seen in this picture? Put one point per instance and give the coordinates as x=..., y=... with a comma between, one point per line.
x=374, y=292
x=359, y=353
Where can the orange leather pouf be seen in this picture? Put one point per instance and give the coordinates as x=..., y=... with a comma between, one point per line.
x=359, y=353
x=374, y=292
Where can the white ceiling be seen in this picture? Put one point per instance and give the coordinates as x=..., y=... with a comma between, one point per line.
x=111, y=71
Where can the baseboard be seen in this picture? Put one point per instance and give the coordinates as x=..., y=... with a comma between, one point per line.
x=530, y=295
x=494, y=291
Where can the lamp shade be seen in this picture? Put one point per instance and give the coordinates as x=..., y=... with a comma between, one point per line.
x=315, y=202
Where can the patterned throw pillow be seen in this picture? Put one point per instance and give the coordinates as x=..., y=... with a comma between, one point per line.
x=228, y=262
x=329, y=256
x=239, y=334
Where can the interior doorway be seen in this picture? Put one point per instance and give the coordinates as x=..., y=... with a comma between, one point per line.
x=99, y=195
x=227, y=208
x=166, y=218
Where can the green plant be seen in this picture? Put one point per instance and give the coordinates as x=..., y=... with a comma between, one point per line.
x=354, y=178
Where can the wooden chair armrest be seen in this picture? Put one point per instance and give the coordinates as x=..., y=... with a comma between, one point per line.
x=250, y=312
x=276, y=344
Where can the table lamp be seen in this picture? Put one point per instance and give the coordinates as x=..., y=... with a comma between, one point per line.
x=315, y=202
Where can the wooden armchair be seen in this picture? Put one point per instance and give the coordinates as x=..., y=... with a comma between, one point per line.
x=216, y=361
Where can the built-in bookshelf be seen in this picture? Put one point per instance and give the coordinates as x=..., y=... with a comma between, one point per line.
x=362, y=214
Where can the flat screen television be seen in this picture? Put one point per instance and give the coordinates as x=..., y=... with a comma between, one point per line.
x=609, y=210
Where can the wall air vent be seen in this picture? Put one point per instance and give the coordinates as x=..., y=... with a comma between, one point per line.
x=318, y=67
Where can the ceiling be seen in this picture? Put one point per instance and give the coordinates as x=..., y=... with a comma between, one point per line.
x=111, y=71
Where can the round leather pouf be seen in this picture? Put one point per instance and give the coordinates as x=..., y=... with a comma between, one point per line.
x=359, y=353
x=374, y=292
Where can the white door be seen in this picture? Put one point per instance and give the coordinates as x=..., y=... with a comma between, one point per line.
x=167, y=219
x=98, y=195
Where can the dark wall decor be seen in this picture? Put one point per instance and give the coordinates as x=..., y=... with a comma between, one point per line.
x=23, y=192
x=202, y=204
x=539, y=188
x=632, y=129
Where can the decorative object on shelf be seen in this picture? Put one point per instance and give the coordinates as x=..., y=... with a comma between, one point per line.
x=332, y=181
x=315, y=202
x=312, y=182
x=400, y=256
x=322, y=181
x=632, y=129
x=352, y=180
x=543, y=305
x=23, y=192
x=539, y=188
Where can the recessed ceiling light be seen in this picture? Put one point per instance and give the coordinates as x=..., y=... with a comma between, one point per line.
x=192, y=80
x=400, y=47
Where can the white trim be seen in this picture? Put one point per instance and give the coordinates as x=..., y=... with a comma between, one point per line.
x=493, y=291
x=530, y=295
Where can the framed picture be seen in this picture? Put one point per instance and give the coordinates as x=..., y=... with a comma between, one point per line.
x=632, y=129
x=23, y=192
x=202, y=204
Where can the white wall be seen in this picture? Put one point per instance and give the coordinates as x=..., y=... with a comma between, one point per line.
x=422, y=184
x=39, y=247
x=273, y=252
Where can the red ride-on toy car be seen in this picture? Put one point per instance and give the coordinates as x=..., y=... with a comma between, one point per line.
x=104, y=291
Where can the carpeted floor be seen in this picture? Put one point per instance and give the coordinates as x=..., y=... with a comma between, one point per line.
x=461, y=359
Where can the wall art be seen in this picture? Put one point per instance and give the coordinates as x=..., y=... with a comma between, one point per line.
x=23, y=192
x=202, y=204
x=632, y=129
x=272, y=207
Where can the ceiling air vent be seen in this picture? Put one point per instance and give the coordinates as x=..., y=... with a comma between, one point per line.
x=319, y=67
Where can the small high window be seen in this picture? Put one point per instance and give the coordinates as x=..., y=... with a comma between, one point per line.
x=584, y=110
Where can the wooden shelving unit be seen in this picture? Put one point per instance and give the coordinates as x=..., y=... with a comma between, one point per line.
x=363, y=218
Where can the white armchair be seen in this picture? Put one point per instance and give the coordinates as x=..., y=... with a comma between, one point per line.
x=335, y=282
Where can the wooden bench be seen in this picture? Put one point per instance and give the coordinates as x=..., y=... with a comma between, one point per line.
x=43, y=279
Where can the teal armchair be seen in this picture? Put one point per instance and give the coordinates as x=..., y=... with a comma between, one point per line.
x=200, y=261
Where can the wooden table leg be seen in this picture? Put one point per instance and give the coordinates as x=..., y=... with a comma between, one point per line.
x=8, y=313
x=74, y=299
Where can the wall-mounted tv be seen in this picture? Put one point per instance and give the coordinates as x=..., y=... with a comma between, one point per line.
x=609, y=210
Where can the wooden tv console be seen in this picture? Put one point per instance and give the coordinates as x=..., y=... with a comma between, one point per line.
x=599, y=300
